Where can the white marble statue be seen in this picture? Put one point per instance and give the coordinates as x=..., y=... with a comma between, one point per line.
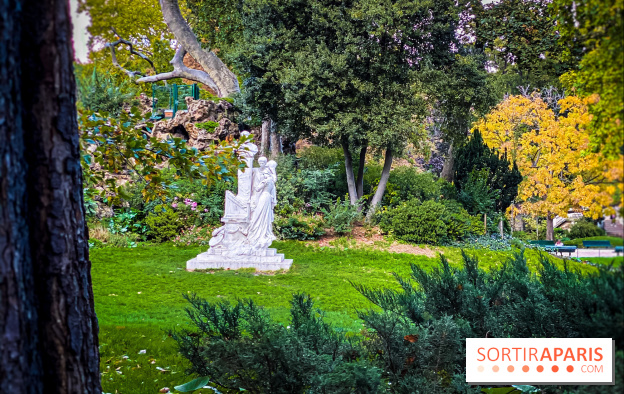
x=247, y=232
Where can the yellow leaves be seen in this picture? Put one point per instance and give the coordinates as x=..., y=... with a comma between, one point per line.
x=552, y=153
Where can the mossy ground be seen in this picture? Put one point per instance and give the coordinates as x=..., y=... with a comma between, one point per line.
x=138, y=297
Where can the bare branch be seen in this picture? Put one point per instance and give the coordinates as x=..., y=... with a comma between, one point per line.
x=133, y=51
x=181, y=71
x=224, y=80
x=131, y=74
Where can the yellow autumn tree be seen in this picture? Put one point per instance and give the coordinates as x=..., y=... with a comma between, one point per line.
x=551, y=150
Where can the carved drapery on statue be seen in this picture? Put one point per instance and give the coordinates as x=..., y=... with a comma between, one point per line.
x=247, y=232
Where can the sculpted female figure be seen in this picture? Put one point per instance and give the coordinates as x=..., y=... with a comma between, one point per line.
x=260, y=230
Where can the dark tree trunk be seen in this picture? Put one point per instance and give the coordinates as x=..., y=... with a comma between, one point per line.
x=381, y=187
x=47, y=320
x=550, y=229
x=349, y=169
x=359, y=183
x=449, y=164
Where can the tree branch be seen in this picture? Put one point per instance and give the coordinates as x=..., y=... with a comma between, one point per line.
x=181, y=71
x=131, y=74
x=223, y=79
x=120, y=40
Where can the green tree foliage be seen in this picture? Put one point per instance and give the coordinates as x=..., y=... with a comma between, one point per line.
x=345, y=73
x=113, y=147
x=502, y=177
x=140, y=23
x=413, y=338
x=476, y=195
x=101, y=93
x=520, y=38
x=218, y=24
x=597, y=26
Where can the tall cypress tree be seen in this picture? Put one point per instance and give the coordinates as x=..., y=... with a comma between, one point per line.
x=503, y=175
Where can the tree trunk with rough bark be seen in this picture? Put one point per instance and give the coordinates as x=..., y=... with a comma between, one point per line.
x=447, y=170
x=276, y=146
x=264, y=139
x=349, y=170
x=550, y=229
x=381, y=187
x=359, y=182
x=47, y=320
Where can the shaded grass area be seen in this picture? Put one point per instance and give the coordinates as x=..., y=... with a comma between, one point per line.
x=138, y=297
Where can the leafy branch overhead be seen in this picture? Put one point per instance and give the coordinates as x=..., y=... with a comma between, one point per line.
x=118, y=147
x=214, y=73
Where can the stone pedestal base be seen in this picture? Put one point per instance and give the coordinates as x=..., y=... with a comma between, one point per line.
x=265, y=260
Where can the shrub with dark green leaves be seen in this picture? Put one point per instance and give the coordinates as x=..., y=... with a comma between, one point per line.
x=429, y=222
x=240, y=348
x=341, y=216
x=407, y=183
x=302, y=228
x=416, y=222
x=319, y=158
x=585, y=229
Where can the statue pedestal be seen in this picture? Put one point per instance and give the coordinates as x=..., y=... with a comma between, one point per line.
x=262, y=260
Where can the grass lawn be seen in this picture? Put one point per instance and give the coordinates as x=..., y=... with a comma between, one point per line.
x=615, y=241
x=138, y=297
x=617, y=261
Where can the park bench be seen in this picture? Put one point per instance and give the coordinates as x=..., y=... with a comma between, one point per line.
x=563, y=249
x=597, y=244
x=619, y=249
x=546, y=245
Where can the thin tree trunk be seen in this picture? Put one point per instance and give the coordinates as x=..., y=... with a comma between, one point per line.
x=449, y=163
x=485, y=223
x=359, y=183
x=47, y=320
x=264, y=140
x=500, y=227
x=349, y=170
x=276, y=147
x=381, y=187
x=550, y=230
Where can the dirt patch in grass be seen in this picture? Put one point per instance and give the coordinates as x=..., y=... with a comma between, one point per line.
x=370, y=237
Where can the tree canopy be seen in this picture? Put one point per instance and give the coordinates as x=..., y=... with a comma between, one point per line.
x=552, y=154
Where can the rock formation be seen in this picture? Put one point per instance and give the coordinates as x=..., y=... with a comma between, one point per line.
x=185, y=123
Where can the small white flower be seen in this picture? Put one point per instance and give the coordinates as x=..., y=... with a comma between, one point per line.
x=142, y=351
x=138, y=292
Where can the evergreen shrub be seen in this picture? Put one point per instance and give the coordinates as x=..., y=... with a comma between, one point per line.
x=164, y=225
x=413, y=338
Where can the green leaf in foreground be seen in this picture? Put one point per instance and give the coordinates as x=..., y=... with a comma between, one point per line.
x=193, y=385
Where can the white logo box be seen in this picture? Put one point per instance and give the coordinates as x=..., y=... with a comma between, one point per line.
x=527, y=361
